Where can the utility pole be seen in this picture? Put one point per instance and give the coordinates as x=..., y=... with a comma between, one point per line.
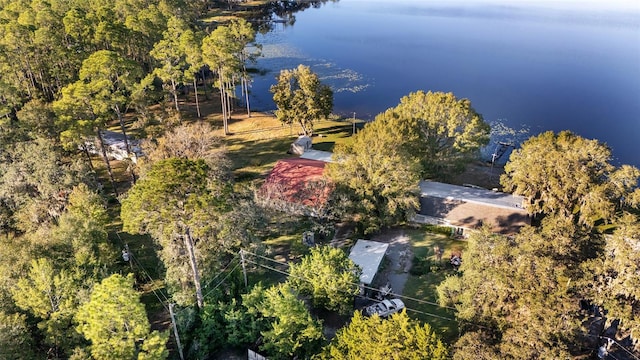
x=175, y=331
x=188, y=242
x=244, y=268
x=354, y=124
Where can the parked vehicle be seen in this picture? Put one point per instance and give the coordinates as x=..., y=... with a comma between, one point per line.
x=384, y=308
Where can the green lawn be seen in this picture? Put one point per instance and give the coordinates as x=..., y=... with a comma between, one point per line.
x=423, y=286
x=257, y=143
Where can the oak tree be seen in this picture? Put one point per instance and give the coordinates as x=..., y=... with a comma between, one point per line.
x=520, y=291
x=115, y=322
x=35, y=182
x=399, y=337
x=329, y=277
x=442, y=131
x=571, y=176
x=301, y=98
x=612, y=280
x=292, y=331
x=379, y=176
x=189, y=141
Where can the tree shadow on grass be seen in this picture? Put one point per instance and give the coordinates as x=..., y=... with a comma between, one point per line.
x=253, y=159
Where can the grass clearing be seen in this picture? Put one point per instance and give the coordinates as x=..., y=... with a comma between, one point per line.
x=423, y=286
x=256, y=143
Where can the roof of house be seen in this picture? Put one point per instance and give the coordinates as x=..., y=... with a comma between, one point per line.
x=368, y=255
x=471, y=195
x=473, y=215
x=292, y=177
x=115, y=145
x=319, y=155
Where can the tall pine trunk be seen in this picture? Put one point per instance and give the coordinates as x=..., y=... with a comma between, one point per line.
x=223, y=100
x=122, y=128
x=126, y=141
x=194, y=267
x=245, y=84
x=86, y=152
x=204, y=84
x=107, y=163
x=195, y=89
x=174, y=88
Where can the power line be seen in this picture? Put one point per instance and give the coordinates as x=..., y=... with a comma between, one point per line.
x=217, y=285
x=220, y=273
x=369, y=287
x=223, y=280
x=144, y=271
x=615, y=342
x=620, y=346
x=304, y=279
x=153, y=282
x=266, y=258
x=417, y=311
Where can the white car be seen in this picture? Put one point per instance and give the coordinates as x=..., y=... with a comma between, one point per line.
x=384, y=308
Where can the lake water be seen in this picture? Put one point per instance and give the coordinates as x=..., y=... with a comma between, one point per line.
x=543, y=66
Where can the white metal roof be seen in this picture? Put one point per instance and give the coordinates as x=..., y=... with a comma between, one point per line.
x=317, y=155
x=471, y=195
x=368, y=255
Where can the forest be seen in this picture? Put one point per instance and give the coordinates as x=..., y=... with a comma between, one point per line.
x=175, y=251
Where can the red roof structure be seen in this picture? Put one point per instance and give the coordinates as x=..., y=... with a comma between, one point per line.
x=297, y=180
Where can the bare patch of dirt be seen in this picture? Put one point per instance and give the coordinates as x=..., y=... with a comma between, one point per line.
x=480, y=174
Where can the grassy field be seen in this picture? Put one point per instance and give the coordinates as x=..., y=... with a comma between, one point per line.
x=423, y=286
x=256, y=143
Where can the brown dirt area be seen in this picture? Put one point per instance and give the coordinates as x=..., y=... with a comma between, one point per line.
x=481, y=174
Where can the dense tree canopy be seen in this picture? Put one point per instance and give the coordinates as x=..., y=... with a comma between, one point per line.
x=521, y=293
x=292, y=331
x=328, y=276
x=301, y=98
x=442, y=131
x=35, y=181
x=428, y=135
x=15, y=339
x=379, y=174
x=71, y=68
x=225, y=51
x=189, y=141
x=177, y=202
x=115, y=322
x=613, y=279
x=194, y=215
x=397, y=338
x=45, y=42
x=66, y=260
x=571, y=176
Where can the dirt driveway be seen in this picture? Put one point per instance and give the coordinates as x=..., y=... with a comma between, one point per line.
x=399, y=256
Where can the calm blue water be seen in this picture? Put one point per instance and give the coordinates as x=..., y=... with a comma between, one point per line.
x=530, y=66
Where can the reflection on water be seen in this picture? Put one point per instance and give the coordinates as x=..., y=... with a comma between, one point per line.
x=549, y=65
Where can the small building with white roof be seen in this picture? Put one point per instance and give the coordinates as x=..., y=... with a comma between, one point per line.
x=368, y=256
x=319, y=155
x=466, y=207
